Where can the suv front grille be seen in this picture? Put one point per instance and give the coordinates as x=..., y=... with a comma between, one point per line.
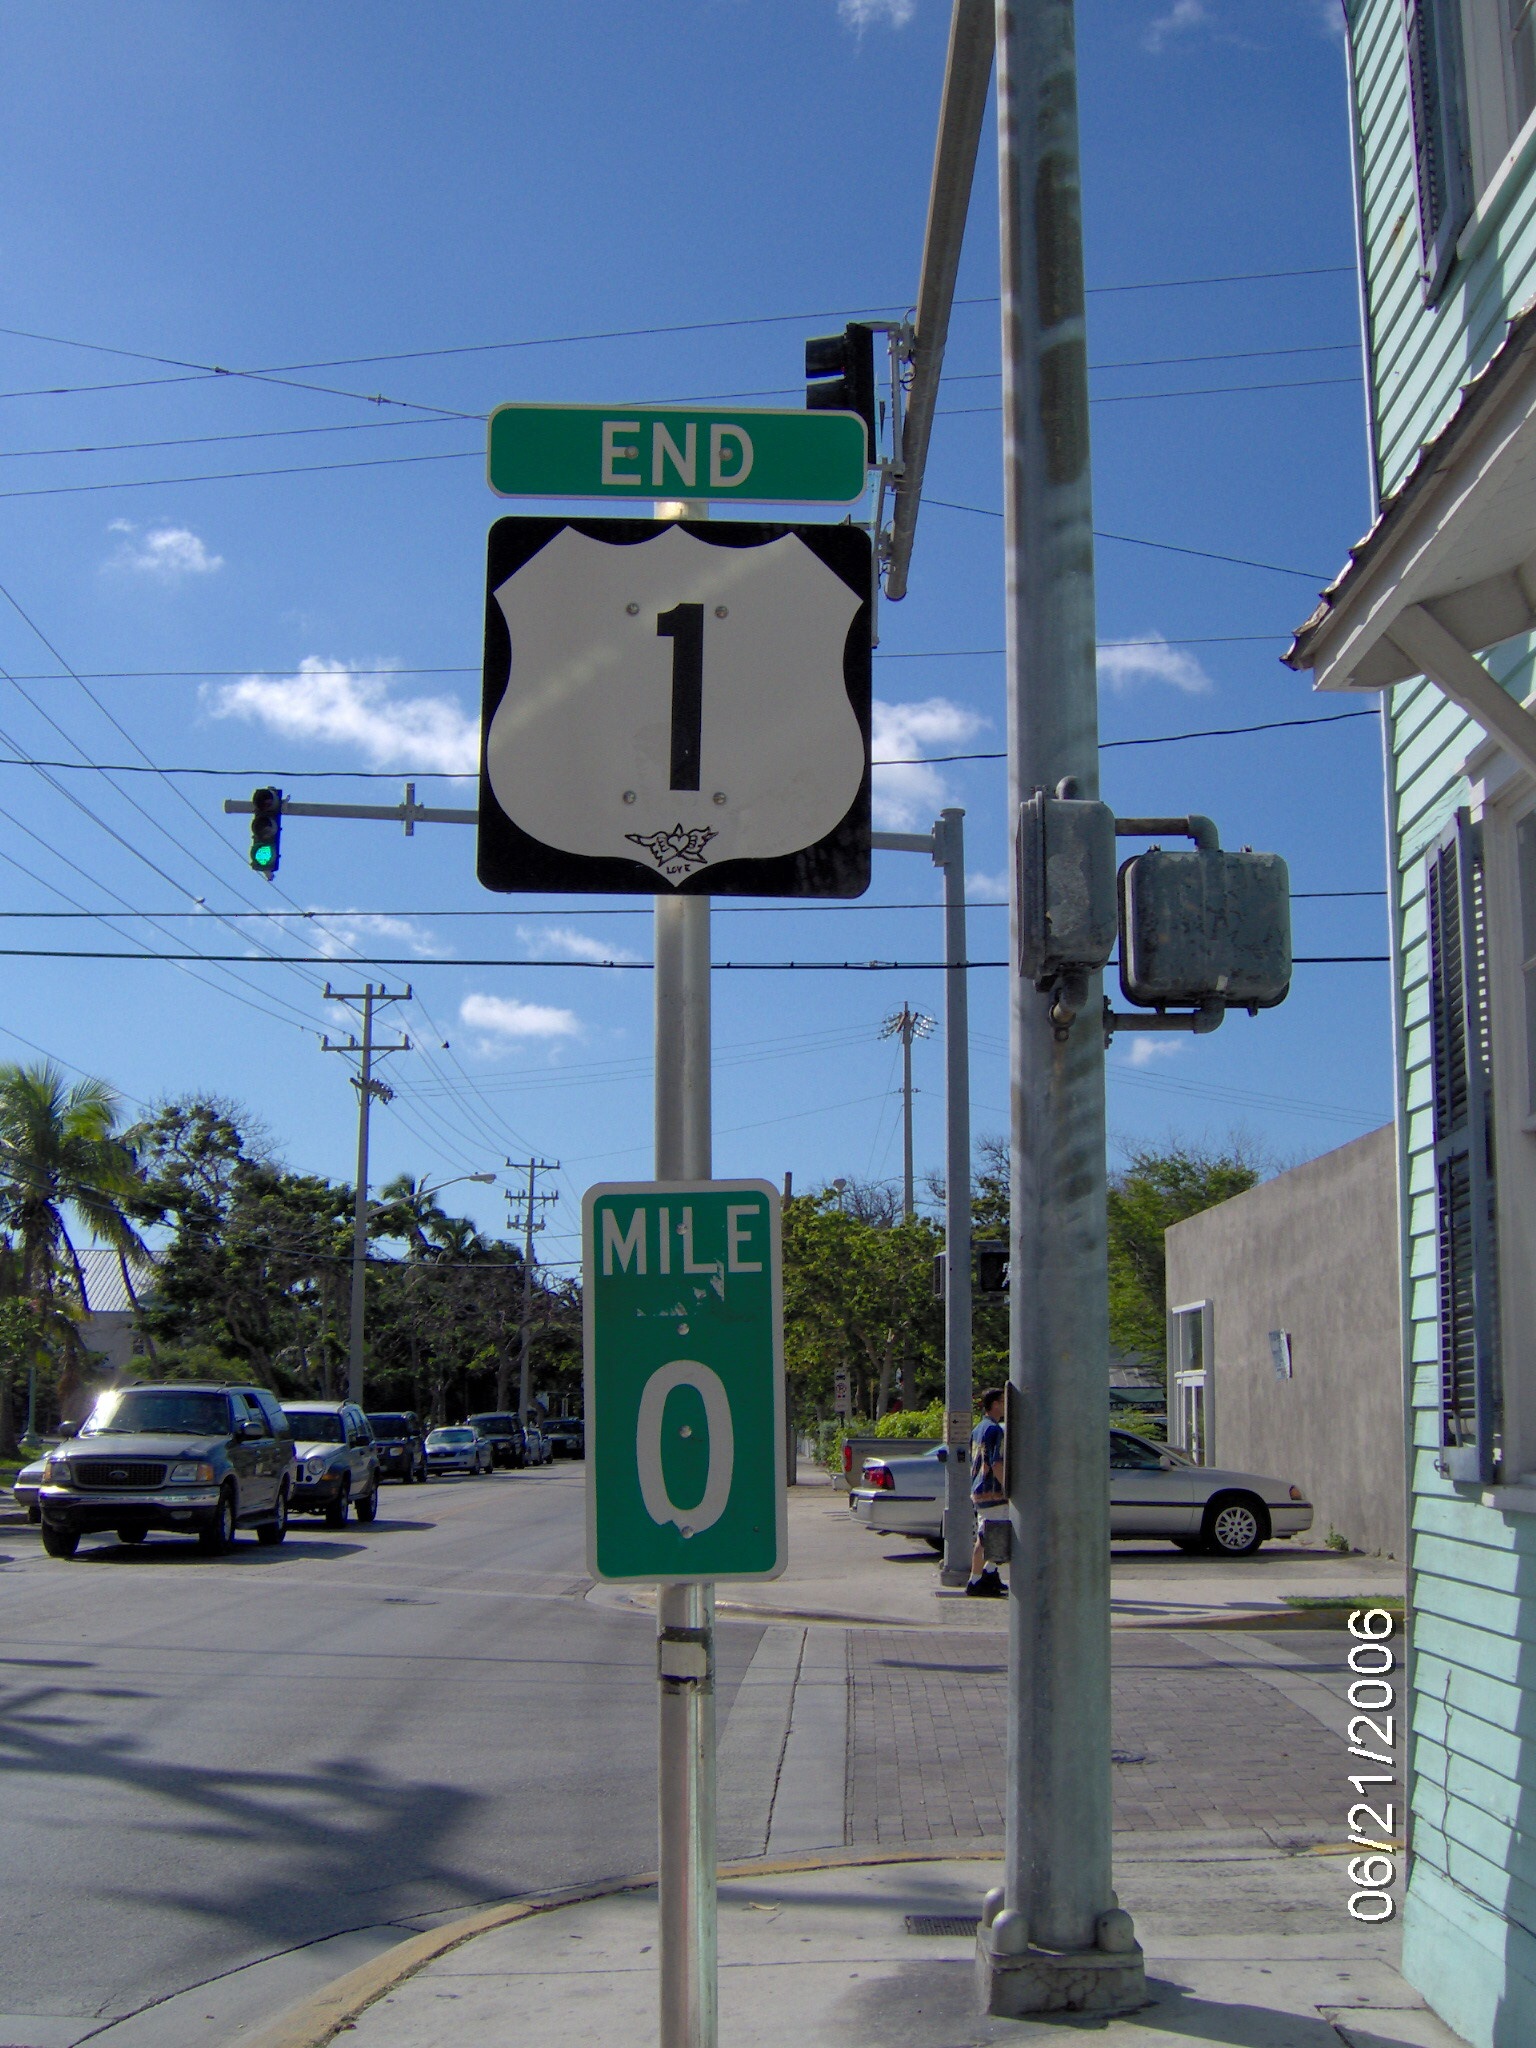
x=105, y=1472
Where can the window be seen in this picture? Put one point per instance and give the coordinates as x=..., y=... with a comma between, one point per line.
x=1189, y=1354
x=1471, y=88
x=1463, y=1135
x=1130, y=1454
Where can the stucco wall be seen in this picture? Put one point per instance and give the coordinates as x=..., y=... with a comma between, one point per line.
x=1314, y=1252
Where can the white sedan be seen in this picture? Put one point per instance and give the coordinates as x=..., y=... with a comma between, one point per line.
x=458, y=1449
x=1154, y=1491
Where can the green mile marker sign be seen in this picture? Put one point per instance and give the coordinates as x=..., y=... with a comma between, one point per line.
x=630, y=451
x=683, y=1314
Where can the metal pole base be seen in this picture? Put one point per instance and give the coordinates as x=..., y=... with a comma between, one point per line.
x=1014, y=1981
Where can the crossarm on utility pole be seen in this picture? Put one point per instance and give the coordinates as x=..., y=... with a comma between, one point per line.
x=967, y=73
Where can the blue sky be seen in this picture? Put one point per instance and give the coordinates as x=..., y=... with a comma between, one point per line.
x=329, y=195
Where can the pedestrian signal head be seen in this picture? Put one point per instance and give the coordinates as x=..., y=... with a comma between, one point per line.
x=266, y=830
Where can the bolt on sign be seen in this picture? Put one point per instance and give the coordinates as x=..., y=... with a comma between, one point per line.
x=758, y=457
x=676, y=706
x=683, y=1322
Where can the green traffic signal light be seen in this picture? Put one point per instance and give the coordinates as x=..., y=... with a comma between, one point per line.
x=266, y=830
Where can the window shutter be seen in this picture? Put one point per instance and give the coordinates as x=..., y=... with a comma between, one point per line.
x=1441, y=153
x=1463, y=1129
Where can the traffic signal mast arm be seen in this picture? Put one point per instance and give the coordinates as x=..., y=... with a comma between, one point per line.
x=410, y=813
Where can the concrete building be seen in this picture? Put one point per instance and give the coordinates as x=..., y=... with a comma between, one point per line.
x=1435, y=615
x=1283, y=1346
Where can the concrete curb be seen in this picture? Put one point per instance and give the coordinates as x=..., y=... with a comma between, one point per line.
x=321, y=2016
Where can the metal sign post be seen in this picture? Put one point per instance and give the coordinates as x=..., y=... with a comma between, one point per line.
x=1056, y=1939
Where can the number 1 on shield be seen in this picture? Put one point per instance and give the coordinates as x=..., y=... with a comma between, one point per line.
x=684, y=627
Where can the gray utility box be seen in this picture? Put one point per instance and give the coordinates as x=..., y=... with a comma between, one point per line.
x=1066, y=853
x=1204, y=923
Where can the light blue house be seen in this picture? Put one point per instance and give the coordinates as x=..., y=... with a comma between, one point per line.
x=1436, y=611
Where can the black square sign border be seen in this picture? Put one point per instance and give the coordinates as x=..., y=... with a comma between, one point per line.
x=838, y=864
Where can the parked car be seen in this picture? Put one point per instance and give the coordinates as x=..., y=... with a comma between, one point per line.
x=400, y=1444
x=338, y=1460
x=202, y=1460
x=24, y=1487
x=505, y=1434
x=540, y=1450
x=459, y=1448
x=567, y=1436
x=1153, y=1492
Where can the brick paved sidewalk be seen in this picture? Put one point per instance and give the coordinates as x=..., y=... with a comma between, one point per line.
x=1197, y=1744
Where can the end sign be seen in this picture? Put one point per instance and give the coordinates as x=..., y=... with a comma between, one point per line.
x=631, y=451
x=683, y=1316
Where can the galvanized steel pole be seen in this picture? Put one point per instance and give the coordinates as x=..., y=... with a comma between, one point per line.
x=949, y=854
x=687, y=1905
x=1056, y=1940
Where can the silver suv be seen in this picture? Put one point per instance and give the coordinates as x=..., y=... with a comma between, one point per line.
x=338, y=1460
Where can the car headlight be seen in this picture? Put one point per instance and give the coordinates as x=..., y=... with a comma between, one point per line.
x=191, y=1475
x=56, y=1469
x=315, y=1469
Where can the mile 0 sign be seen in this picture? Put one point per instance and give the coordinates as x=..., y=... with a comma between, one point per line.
x=682, y=1308
x=676, y=706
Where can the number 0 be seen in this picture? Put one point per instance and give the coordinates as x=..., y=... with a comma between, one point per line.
x=708, y=1385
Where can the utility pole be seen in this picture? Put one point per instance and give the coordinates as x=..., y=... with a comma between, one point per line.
x=367, y=1089
x=907, y=1024
x=1056, y=1939
x=532, y=1201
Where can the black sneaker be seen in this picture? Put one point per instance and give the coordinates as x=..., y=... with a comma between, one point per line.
x=988, y=1587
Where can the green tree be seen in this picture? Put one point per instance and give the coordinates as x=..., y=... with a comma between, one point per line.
x=858, y=1295
x=61, y=1152
x=1151, y=1191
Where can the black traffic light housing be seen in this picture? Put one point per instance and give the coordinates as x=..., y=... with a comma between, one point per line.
x=266, y=830
x=840, y=372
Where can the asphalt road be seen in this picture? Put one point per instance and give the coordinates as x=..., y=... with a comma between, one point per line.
x=226, y=1781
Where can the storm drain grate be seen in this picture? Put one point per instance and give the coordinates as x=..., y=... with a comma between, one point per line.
x=943, y=1923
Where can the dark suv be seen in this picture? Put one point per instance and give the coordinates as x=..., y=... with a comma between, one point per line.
x=401, y=1445
x=567, y=1436
x=508, y=1444
x=199, y=1459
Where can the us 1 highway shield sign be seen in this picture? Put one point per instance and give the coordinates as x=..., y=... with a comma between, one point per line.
x=676, y=706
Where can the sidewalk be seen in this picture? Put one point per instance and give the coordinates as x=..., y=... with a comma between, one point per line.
x=840, y=1572
x=1246, y=1946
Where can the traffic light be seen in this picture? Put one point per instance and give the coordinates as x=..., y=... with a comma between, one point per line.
x=840, y=369
x=266, y=830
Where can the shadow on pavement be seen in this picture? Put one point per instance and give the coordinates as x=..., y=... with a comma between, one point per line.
x=182, y=1550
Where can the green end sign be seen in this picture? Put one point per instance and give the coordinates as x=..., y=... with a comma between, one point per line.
x=683, y=1315
x=627, y=451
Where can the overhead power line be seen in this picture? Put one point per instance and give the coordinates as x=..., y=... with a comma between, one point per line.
x=1132, y=540
x=417, y=960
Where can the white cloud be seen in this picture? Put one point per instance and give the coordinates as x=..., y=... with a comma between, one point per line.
x=574, y=945
x=987, y=888
x=502, y=1017
x=1147, y=1046
x=1152, y=659
x=862, y=14
x=166, y=553
x=1329, y=15
x=349, y=932
x=1181, y=17
x=908, y=796
x=356, y=707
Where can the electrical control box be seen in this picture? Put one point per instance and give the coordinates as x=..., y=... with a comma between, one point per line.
x=1203, y=923
x=1066, y=855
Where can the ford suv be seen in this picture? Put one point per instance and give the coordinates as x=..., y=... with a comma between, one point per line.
x=199, y=1459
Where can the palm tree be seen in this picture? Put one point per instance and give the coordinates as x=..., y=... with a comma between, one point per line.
x=59, y=1150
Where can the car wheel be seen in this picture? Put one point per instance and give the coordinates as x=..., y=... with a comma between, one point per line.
x=274, y=1531
x=366, y=1508
x=217, y=1536
x=132, y=1532
x=1235, y=1525
x=336, y=1513
x=59, y=1541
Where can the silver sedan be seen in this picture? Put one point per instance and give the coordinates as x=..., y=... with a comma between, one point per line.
x=1154, y=1491
x=458, y=1449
